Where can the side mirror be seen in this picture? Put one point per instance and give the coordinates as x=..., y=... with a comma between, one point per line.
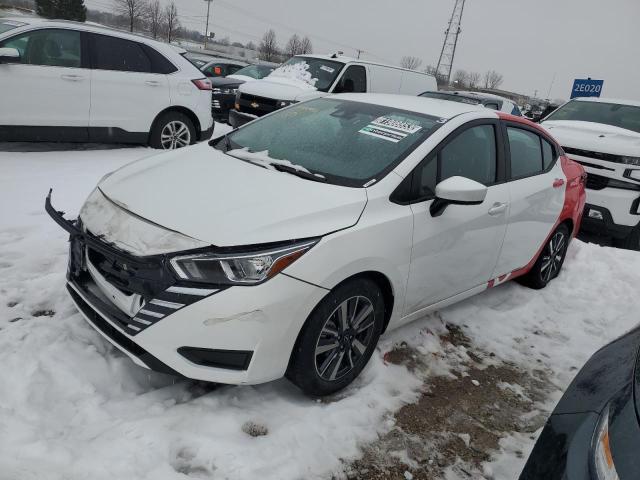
x=457, y=191
x=9, y=55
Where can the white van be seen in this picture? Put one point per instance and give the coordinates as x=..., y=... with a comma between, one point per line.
x=304, y=77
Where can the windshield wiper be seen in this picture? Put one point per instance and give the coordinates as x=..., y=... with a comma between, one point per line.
x=299, y=173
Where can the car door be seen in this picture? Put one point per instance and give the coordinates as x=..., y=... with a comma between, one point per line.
x=49, y=85
x=536, y=185
x=125, y=94
x=458, y=250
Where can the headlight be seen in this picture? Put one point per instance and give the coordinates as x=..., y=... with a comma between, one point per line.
x=630, y=161
x=602, y=457
x=286, y=103
x=233, y=269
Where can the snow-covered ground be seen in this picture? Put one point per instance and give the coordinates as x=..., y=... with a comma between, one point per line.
x=73, y=407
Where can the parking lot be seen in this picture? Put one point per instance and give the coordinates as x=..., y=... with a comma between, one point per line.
x=74, y=407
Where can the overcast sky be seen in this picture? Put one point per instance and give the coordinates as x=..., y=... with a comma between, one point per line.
x=528, y=41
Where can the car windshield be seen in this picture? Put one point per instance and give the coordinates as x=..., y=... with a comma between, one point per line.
x=320, y=73
x=347, y=143
x=623, y=116
x=452, y=97
x=255, y=71
x=6, y=25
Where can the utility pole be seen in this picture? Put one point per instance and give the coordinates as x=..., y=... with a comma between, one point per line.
x=359, y=52
x=448, y=52
x=206, y=28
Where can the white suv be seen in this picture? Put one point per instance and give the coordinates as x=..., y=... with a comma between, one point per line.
x=67, y=81
x=603, y=135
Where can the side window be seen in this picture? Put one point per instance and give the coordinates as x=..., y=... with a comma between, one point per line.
x=233, y=69
x=354, y=80
x=49, y=47
x=526, y=152
x=111, y=53
x=471, y=154
x=548, y=154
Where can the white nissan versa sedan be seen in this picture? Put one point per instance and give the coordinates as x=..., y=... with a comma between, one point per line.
x=289, y=245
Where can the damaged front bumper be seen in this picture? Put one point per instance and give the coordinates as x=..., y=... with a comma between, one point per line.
x=236, y=335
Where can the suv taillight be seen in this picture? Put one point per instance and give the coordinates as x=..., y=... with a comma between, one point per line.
x=202, y=83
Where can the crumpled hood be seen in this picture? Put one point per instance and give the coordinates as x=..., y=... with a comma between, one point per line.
x=205, y=194
x=595, y=137
x=280, y=88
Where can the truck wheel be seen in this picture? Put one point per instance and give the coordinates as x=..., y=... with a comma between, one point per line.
x=550, y=261
x=172, y=130
x=338, y=338
x=632, y=242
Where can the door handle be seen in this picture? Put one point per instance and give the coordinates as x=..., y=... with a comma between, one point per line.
x=152, y=83
x=72, y=78
x=558, y=182
x=497, y=208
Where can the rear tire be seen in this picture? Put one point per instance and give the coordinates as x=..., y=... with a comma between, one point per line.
x=338, y=338
x=172, y=130
x=550, y=261
x=632, y=242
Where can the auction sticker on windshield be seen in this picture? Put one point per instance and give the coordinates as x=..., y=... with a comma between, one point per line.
x=390, y=129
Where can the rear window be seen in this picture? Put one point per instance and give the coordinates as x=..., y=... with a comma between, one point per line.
x=349, y=143
x=623, y=116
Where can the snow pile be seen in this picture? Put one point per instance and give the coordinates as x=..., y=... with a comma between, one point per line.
x=296, y=74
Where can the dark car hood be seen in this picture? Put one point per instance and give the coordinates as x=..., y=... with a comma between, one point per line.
x=607, y=372
x=217, y=82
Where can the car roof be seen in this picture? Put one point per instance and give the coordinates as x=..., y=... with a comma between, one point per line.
x=468, y=94
x=221, y=60
x=96, y=28
x=617, y=101
x=344, y=59
x=427, y=106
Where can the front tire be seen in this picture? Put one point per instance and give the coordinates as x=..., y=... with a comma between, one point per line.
x=632, y=242
x=172, y=130
x=550, y=261
x=338, y=338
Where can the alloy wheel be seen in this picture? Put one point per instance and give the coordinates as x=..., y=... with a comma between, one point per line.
x=175, y=134
x=344, y=338
x=552, y=257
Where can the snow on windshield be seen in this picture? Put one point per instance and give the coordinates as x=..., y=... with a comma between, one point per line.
x=264, y=160
x=295, y=74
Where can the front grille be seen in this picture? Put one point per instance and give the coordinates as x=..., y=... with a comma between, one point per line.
x=257, y=105
x=591, y=154
x=148, y=277
x=596, y=182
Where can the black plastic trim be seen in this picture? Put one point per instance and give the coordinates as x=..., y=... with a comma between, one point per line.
x=99, y=323
x=606, y=226
x=227, y=359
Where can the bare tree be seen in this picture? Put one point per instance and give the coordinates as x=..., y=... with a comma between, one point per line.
x=306, y=46
x=431, y=70
x=132, y=10
x=492, y=79
x=268, y=48
x=171, y=22
x=293, y=45
x=155, y=17
x=250, y=46
x=473, y=79
x=412, y=63
x=460, y=78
